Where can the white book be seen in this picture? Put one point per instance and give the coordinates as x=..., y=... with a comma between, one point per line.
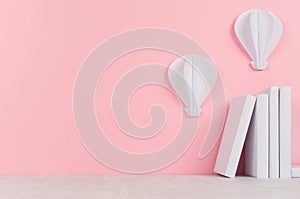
x=257, y=140
x=295, y=171
x=235, y=131
x=285, y=110
x=273, y=130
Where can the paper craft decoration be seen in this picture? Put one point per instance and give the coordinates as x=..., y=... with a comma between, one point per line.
x=257, y=140
x=259, y=32
x=285, y=110
x=273, y=93
x=192, y=77
x=236, y=127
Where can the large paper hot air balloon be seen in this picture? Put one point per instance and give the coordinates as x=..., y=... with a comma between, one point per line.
x=192, y=77
x=259, y=32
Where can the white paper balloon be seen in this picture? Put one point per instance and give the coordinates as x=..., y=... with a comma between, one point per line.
x=192, y=77
x=259, y=32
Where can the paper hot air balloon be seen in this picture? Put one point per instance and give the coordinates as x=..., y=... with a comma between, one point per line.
x=192, y=77
x=259, y=32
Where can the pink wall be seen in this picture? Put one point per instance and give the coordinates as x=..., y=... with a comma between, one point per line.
x=43, y=43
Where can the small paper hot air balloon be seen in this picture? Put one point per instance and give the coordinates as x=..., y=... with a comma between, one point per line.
x=192, y=77
x=259, y=32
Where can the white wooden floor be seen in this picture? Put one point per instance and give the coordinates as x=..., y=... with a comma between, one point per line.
x=139, y=187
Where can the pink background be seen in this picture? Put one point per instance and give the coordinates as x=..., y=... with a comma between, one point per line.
x=43, y=43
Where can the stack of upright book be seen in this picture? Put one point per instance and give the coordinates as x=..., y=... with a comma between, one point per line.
x=261, y=124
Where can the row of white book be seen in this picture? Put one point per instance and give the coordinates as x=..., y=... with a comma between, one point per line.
x=261, y=124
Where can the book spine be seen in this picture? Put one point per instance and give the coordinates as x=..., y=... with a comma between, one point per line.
x=233, y=138
x=285, y=132
x=263, y=137
x=256, y=147
x=274, y=133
